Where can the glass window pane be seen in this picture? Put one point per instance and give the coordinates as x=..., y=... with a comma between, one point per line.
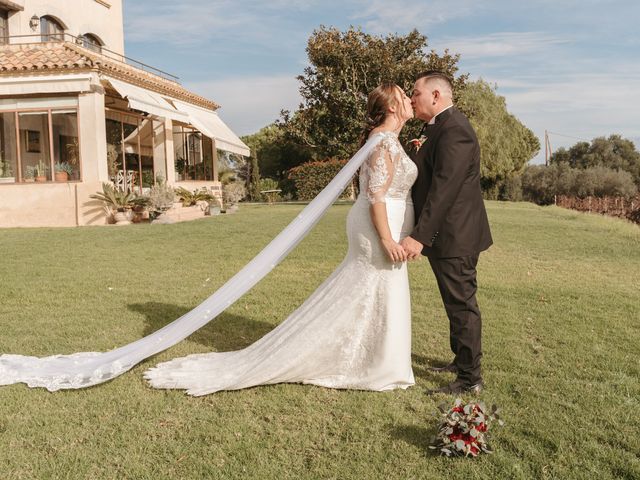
x=91, y=42
x=4, y=27
x=146, y=152
x=34, y=145
x=66, y=151
x=207, y=155
x=196, y=165
x=114, y=147
x=159, y=157
x=50, y=29
x=181, y=154
x=8, y=151
x=131, y=153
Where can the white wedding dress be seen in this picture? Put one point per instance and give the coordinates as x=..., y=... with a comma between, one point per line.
x=354, y=331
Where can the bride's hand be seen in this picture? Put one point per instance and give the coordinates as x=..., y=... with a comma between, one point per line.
x=394, y=250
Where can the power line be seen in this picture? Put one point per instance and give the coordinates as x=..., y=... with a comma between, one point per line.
x=569, y=136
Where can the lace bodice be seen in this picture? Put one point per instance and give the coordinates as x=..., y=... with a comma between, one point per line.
x=388, y=173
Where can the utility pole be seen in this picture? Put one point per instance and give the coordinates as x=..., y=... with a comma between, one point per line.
x=547, y=148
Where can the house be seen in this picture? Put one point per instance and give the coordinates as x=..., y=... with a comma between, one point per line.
x=76, y=112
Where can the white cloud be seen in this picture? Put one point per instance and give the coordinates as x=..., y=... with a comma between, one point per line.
x=192, y=22
x=250, y=103
x=382, y=16
x=576, y=106
x=502, y=44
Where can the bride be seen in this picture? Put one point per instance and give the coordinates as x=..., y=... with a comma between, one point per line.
x=354, y=331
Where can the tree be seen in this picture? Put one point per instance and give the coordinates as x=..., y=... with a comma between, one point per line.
x=615, y=152
x=254, y=178
x=542, y=183
x=275, y=153
x=344, y=68
x=506, y=144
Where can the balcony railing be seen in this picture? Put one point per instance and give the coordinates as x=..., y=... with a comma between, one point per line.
x=65, y=37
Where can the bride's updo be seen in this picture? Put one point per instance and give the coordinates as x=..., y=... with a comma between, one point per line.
x=378, y=104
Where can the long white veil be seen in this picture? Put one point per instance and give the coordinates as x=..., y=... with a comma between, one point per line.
x=84, y=369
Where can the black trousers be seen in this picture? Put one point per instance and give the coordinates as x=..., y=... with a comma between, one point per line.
x=456, y=279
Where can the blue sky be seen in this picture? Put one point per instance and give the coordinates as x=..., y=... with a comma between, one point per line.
x=570, y=67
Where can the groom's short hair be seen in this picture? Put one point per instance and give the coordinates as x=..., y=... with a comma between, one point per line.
x=428, y=74
x=436, y=75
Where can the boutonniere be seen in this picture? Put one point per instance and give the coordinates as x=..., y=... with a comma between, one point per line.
x=417, y=142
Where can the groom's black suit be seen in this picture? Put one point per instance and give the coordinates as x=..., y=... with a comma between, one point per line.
x=451, y=223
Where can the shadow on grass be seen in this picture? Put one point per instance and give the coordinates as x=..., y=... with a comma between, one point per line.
x=225, y=332
x=421, y=365
x=415, y=435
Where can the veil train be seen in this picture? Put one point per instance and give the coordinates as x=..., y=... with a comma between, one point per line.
x=84, y=369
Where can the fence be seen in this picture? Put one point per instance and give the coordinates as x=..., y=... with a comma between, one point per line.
x=612, y=206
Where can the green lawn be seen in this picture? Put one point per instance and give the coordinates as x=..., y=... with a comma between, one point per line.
x=560, y=296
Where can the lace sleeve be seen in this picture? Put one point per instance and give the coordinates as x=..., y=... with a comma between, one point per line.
x=379, y=169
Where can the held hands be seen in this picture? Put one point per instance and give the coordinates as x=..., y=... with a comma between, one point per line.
x=394, y=250
x=412, y=247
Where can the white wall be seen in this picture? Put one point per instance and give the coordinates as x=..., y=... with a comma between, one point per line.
x=77, y=16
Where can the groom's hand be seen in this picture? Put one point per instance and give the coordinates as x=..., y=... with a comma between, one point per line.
x=412, y=247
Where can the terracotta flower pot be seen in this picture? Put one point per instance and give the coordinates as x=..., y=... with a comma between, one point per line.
x=41, y=178
x=62, y=176
x=121, y=218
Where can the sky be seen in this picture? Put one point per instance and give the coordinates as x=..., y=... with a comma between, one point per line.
x=569, y=67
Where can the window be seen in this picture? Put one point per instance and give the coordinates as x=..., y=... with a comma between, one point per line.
x=8, y=148
x=50, y=29
x=34, y=145
x=91, y=42
x=39, y=145
x=193, y=154
x=66, y=151
x=135, y=150
x=4, y=26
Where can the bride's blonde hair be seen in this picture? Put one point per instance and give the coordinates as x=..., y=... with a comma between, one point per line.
x=378, y=103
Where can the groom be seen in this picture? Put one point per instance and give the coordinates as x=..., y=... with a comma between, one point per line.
x=451, y=222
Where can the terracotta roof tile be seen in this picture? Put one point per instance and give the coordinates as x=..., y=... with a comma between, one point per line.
x=66, y=56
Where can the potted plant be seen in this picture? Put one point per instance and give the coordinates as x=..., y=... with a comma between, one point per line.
x=6, y=172
x=41, y=170
x=29, y=174
x=181, y=165
x=161, y=198
x=73, y=151
x=189, y=198
x=63, y=171
x=232, y=193
x=112, y=161
x=117, y=202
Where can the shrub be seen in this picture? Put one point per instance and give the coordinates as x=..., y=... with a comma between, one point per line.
x=512, y=189
x=233, y=192
x=541, y=183
x=189, y=198
x=310, y=178
x=269, y=184
x=161, y=196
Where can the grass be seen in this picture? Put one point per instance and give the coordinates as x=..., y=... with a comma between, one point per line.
x=560, y=296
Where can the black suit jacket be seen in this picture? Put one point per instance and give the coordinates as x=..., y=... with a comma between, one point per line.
x=451, y=220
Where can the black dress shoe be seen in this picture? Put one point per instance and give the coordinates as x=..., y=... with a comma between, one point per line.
x=447, y=368
x=458, y=387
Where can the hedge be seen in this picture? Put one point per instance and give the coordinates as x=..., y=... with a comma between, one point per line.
x=311, y=177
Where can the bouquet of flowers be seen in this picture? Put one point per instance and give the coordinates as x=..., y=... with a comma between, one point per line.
x=464, y=429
